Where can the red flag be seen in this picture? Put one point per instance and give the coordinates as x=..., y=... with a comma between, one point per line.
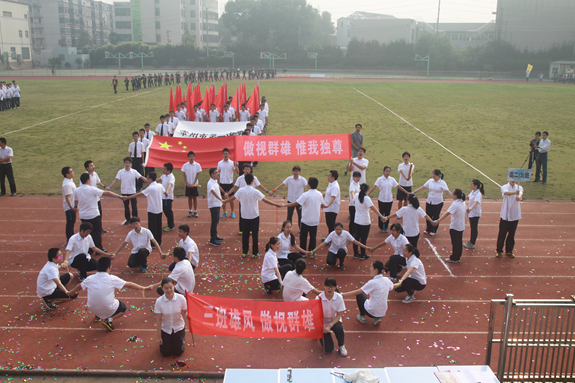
x=178, y=98
x=172, y=100
x=244, y=94
x=253, y=103
x=191, y=102
x=236, y=103
x=198, y=94
x=221, y=98
x=207, y=100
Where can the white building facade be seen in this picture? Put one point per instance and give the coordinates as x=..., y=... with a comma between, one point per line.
x=15, y=39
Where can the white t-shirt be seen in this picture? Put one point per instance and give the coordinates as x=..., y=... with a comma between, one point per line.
x=140, y=240
x=199, y=116
x=249, y=199
x=241, y=182
x=87, y=198
x=475, y=196
x=411, y=217
x=68, y=189
x=78, y=245
x=183, y=274
x=436, y=189
x=405, y=168
x=191, y=171
x=101, y=293
x=171, y=310
x=294, y=285
x=45, y=284
x=385, y=186
x=418, y=272
x=331, y=307
x=353, y=187
x=190, y=246
x=141, y=148
x=168, y=179
x=245, y=115
x=226, y=169
x=228, y=116
x=262, y=115
x=268, y=266
x=5, y=153
x=256, y=130
x=362, y=162
x=154, y=193
x=397, y=243
x=285, y=246
x=362, y=210
x=511, y=208
x=213, y=201
x=214, y=114
x=295, y=187
x=378, y=289
x=339, y=241
x=128, y=179
x=310, y=202
x=457, y=211
x=333, y=190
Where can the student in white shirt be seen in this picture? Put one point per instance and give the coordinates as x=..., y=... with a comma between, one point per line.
x=168, y=182
x=272, y=273
x=541, y=163
x=182, y=273
x=509, y=217
x=16, y=95
x=140, y=238
x=163, y=128
x=214, y=205
x=77, y=251
x=148, y=135
x=244, y=114
x=332, y=198
x=227, y=168
x=171, y=313
x=6, y=171
x=414, y=278
x=378, y=290
x=228, y=116
x=198, y=114
x=173, y=121
x=95, y=182
x=385, y=183
x=50, y=285
x=296, y=186
x=181, y=113
x=214, y=114
x=189, y=245
x=410, y=214
x=405, y=170
x=333, y=308
x=358, y=164
x=295, y=286
x=436, y=186
x=145, y=142
x=287, y=242
x=396, y=240
x=68, y=188
x=128, y=178
x=337, y=241
x=474, y=210
x=191, y=172
x=136, y=150
x=263, y=115
x=457, y=211
x=353, y=191
x=362, y=220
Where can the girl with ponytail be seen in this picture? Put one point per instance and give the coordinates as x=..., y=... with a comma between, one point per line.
x=362, y=221
x=386, y=183
x=414, y=278
x=457, y=226
x=436, y=186
x=411, y=215
x=272, y=273
x=474, y=210
x=396, y=240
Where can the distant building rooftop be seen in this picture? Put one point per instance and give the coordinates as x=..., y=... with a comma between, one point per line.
x=368, y=15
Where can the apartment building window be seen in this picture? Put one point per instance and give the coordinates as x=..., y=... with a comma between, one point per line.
x=19, y=33
x=193, y=26
x=157, y=1
x=122, y=11
x=158, y=38
x=193, y=14
x=25, y=15
x=157, y=11
x=7, y=14
x=158, y=25
x=26, y=33
x=25, y=53
x=123, y=25
x=183, y=12
x=192, y=2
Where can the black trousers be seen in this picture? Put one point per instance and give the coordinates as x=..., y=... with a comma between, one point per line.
x=290, y=260
x=134, y=203
x=83, y=265
x=385, y=210
x=215, y=214
x=155, y=226
x=332, y=258
x=506, y=235
x=137, y=165
x=253, y=226
x=433, y=211
x=351, y=219
x=328, y=339
x=16, y=102
x=360, y=299
x=474, y=223
x=305, y=229
x=59, y=294
x=6, y=171
x=70, y=222
x=413, y=240
x=275, y=284
x=456, y=243
x=410, y=286
x=139, y=259
x=96, y=230
x=167, y=208
x=173, y=344
x=330, y=221
x=290, y=211
x=395, y=264
x=361, y=234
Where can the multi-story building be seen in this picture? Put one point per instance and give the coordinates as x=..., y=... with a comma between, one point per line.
x=463, y=35
x=373, y=26
x=15, y=40
x=167, y=21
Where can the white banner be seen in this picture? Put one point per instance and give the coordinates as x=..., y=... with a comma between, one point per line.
x=191, y=129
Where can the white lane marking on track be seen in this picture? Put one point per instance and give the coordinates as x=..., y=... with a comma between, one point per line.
x=426, y=135
x=438, y=257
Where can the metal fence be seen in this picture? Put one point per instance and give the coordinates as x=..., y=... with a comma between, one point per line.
x=536, y=342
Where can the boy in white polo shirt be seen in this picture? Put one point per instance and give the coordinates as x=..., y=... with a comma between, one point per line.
x=191, y=172
x=296, y=186
x=227, y=168
x=163, y=129
x=214, y=204
x=128, y=178
x=140, y=238
x=214, y=114
x=358, y=164
x=168, y=182
x=50, y=285
x=77, y=252
x=189, y=245
x=68, y=188
x=332, y=197
x=136, y=150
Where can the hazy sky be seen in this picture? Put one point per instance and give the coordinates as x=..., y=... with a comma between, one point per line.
x=469, y=11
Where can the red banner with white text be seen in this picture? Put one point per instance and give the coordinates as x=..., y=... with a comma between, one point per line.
x=208, y=315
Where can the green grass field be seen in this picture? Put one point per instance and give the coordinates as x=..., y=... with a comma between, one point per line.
x=488, y=125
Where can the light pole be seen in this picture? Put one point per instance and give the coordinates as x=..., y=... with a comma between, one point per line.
x=231, y=54
x=118, y=56
x=313, y=56
x=142, y=56
x=426, y=58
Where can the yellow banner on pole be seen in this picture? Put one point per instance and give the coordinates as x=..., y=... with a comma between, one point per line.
x=529, y=68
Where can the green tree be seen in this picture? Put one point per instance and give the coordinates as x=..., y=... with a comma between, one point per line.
x=83, y=40
x=87, y=63
x=54, y=62
x=441, y=56
x=113, y=38
x=79, y=62
x=188, y=39
x=67, y=65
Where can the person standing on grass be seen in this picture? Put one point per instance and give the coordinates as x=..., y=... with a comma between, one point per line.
x=272, y=274
x=174, y=121
x=414, y=278
x=332, y=198
x=227, y=168
x=396, y=240
x=457, y=211
x=509, y=218
x=337, y=241
x=385, y=183
x=154, y=193
x=78, y=251
x=362, y=220
x=68, y=189
x=356, y=143
x=115, y=85
x=50, y=285
x=405, y=170
x=214, y=205
x=534, y=153
x=140, y=238
x=359, y=164
x=436, y=186
x=148, y=134
x=128, y=178
x=295, y=286
x=95, y=182
x=378, y=290
x=86, y=199
x=411, y=214
x=145, y=143
x=163, y=128
x=333, y=308
x=191, y=172
x=214, y=114
x=240, y=184
x=102, y=288
x=474, y=210
x=543, y=149
x=127, y=83
x=136, y=150
x=244, y=114
x=16, y=94
x=168, y=182
x=6, y=171
x=287, y=242
x=171, y=312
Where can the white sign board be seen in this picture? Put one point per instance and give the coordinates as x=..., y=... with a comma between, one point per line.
x=191, y=129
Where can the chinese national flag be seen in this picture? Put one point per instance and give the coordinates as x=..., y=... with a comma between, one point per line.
x=191, y=102
x=236, y=102
x=253, y=103
x=172, y=100
x=221, y=98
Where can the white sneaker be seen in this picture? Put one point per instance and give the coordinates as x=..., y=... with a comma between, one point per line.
x=343, y=351
x=409, y=299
